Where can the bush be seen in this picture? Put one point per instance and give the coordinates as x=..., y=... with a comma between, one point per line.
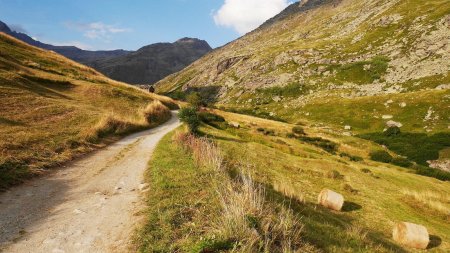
x=156, y=113
x=324, y=144
x=381, y=156
x=367, y=171
x=431, y=172
x=352, y=158
x=194, y=99
x=402, y=162
x=190, y=117
x=334, y=174
x=298, y=130
x=392, y=131
x=290, y=135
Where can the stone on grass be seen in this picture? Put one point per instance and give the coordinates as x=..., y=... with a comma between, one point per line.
x=411, y=235
x=234, y=124
x=392, y=123
x=331, y=199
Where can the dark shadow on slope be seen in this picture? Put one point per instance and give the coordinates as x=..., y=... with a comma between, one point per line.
x=44, y=87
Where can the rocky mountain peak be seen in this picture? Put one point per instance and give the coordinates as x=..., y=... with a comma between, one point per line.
x=4, y=28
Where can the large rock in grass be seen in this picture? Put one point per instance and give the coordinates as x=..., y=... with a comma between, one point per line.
x=411, y=235
x=331, y=200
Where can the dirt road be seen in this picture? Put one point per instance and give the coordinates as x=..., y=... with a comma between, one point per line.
x=91, y=205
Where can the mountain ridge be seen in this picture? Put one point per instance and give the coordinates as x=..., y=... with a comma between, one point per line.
x=111, y=62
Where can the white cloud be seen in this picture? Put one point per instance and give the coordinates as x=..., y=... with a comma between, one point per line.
x=246, y=15
x=97, y=30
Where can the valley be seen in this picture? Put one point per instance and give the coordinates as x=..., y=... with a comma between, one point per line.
x=324, y=128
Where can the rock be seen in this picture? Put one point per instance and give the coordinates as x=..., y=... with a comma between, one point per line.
x=277, y=99
x=392, y=123
x=143, y=186
x=411, y=235
x=402, y=104
x=348, y=127
x=234, y=124
x=347, y=134
x=387, y=117
x=77, y=211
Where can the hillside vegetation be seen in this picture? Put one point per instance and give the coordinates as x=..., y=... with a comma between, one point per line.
x=53, y=109
x=357, y=66
x=278, y=166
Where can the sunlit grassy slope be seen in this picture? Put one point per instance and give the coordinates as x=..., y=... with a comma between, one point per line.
x=346, y=62
x=293, y=172
x=52, y=109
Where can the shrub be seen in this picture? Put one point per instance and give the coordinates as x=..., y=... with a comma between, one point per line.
x=260, y=129
x=190, y=117
x=290, y=135
x=156, y=113
x=431, y=172
x=334, y=174
x=367, y=171
x=324, y=144
x=349, y=188
x=298, y=130
x=402, y=162
x=381, y=156
x=194, y=99
x=392, y=131
x=352, y=158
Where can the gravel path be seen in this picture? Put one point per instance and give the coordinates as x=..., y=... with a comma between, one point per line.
x=92, y=205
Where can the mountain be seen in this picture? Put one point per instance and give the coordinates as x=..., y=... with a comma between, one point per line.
x=146, y=65
x=54, y=109
x=72, y=52
x=154, y=62
x=356, y=64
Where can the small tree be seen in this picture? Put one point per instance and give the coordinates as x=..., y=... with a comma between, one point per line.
x=190, y=117
x=392, y=131
x=194, y=99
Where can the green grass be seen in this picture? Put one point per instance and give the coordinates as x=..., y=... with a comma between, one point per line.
x=181, y=202
x=377, y=195
x=295, y=172
x=417, y=147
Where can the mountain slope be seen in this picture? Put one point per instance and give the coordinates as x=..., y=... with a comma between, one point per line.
x=72, y=52
x=54, y=109
x=146, y=65
x=349, y=62
x=154, y=62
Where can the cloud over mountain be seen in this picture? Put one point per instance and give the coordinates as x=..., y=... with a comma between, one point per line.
x=244, y=16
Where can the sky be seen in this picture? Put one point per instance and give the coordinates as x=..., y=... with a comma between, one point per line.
x=122, y=24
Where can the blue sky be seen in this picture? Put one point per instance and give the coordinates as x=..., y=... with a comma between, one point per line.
x=113, y=24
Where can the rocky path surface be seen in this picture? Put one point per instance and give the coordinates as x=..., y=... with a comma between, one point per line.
x=92, y=205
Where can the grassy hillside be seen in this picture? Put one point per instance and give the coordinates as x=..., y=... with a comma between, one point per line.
x=354, y=65
x=292, y=171
x=53, y=109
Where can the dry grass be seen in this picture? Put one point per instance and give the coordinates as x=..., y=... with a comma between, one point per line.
x=435, y=201
x=156, y=112
x=53, y=109
x=247, y=220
